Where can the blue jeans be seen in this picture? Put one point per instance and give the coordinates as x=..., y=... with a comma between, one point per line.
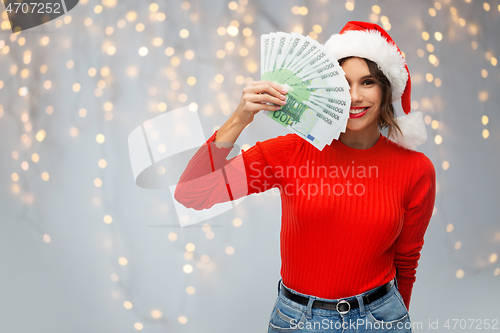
x=386, y=314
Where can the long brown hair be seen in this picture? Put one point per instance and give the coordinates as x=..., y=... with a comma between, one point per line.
x=387, y=116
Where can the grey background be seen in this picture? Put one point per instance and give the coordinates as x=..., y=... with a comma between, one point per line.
x=65, y=285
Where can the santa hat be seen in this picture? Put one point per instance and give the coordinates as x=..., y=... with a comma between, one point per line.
x=370, y=41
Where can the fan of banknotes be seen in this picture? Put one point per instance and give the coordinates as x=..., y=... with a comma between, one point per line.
x=318, y=99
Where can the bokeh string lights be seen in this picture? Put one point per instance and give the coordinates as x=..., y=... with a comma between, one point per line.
x=165, y=47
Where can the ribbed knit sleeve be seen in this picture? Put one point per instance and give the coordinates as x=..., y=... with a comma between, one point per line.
x=266, y=161
x=210, y=179
x=418, y=212
x=204, y=181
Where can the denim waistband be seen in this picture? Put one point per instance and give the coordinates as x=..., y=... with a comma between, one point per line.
x=309, y=308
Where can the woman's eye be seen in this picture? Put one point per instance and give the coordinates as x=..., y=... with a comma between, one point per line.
x=368, y=82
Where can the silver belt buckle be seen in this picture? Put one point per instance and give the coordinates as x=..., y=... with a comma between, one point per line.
x=343, y=312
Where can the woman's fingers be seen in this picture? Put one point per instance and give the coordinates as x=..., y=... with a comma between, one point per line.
x=256, y=107
x=265, y=98
x=258, y=95
x=274, y=84
x=264, y=85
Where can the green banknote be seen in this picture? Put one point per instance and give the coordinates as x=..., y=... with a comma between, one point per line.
x=318, y=99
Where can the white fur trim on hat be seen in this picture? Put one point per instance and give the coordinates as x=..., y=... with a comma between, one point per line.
x=413, y=130
x=370, y=44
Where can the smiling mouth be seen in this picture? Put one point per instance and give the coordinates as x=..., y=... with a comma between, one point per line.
x=357, y=111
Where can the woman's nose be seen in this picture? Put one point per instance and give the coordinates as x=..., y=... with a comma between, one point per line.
x=356, y=96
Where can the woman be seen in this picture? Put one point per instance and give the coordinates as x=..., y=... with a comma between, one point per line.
x=353, y=224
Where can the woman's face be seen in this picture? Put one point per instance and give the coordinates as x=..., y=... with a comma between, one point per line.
x=366, y=95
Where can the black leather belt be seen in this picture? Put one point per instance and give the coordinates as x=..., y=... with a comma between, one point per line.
x=341, y=306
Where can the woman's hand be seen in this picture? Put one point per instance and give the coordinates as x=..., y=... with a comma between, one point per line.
x=253, y=99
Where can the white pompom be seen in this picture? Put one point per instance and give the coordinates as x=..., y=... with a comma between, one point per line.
x=413, y=131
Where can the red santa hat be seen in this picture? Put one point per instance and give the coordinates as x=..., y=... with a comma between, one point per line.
x=370, y=41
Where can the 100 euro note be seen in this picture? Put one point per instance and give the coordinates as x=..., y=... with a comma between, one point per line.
x=298, y=116
x=313, y=80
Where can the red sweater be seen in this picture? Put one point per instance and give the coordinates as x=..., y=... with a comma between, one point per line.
x=352, y=219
